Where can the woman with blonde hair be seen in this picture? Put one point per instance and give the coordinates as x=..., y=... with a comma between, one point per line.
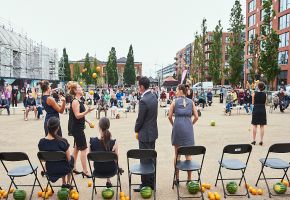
x=182, y=131
x=76, y=125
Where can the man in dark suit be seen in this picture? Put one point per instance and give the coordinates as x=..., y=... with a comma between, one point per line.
x=146, y=125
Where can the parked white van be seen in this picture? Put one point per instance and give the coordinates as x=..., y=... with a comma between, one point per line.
x=204, y=85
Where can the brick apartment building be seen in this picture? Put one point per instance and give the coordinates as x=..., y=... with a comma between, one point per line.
x=281, y=23
x=121, y=62
x=184, y=56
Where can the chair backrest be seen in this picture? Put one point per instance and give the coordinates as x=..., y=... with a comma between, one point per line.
x=13, y=156
x=280, y=148
x=238, y=149
x=142, y=154
x=102, y=156
x=191, y=150
x=51, y=156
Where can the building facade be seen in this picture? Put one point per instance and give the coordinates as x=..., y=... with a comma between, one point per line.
x=121, y=62
x=184, y=56
x=280, y=23
x=164, y=72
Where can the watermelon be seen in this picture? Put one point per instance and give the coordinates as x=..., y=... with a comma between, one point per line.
x=279, y=188
x=146, y=192
x=108, y=193
x=63, y=194
x=232, y=187
x=193, y=187
x=19, y=195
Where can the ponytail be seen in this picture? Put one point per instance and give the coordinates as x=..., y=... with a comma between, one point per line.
x=106, y=138
x=53, y=125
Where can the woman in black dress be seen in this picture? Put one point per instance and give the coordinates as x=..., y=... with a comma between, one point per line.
x=49, y=104
x=104, y=143
x=259, y=112
x=53, y=142
x=76, y=125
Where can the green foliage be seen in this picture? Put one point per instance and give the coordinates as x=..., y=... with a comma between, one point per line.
x=87, y=72
x=67, y=73
x=237, y=43
x=197, y=57
x=269, y=45
x=203, y=40
x=215, y=56
x=129, y=71
x=254, y=51
x=76, y=72
x=111, y=68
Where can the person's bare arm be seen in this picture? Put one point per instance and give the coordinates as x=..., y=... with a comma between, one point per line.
x=76, y=110
x=170, y=113
x=195, y=114
x=253, y=98
x=67, y=153
x=116, y=149
x=59, y=108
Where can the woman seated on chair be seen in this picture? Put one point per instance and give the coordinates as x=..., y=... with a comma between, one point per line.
x=53, y=142
x=104, y=143
x=114, y=104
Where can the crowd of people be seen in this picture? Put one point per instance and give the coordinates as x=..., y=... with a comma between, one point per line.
x=183, y=115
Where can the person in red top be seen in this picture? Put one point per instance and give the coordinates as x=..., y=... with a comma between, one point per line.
x=171, y=94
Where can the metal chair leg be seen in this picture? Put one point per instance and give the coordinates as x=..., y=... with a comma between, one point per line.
x=217, y=176
x=130, y=185
x=267, y=184
x=225, y=194
x=259, y=176
x=32, y=189
x=199, y=179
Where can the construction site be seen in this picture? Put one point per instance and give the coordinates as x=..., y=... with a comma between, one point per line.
x=23, y=60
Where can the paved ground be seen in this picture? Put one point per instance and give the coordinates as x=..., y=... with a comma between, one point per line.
x=18, y=135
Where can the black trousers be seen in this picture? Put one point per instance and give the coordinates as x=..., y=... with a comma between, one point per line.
x=221, y=98
x=147, y=180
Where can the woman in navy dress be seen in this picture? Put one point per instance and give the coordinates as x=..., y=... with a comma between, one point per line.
x=51, y=107
x=259, y=116
x=182, y=131
x=53, y=142
x=104, y=143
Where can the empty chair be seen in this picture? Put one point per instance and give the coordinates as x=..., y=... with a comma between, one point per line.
x=51, y=158
x=188, y=165
x=102, y=157
x=275, y=163
x=234, y=164
x=142, y=168
x=19, y=171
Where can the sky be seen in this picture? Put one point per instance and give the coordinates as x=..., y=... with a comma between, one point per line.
x=157, y=29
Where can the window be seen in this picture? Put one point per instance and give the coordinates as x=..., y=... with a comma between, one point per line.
x=252, y=5
x=249, y=63
x=283, y=58
x=284, y=21
x=284, y=40
x=252, y=20
x=262, y=15
x=251, y=34
x=284, y=5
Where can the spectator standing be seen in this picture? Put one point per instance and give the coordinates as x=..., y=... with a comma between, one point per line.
x=14, y=96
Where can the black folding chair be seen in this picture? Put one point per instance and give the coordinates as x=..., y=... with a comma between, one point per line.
x=142, y=168
x=104, y=157
x=19, y=171
x=234, y=164
x=188, y=165
x=54, y=156
x=275, y=163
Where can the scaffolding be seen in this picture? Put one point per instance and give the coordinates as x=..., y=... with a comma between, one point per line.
x=23, y=58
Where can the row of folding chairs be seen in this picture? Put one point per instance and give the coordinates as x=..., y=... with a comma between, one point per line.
x=142, y=168
x=30, y=169
x=235, y=164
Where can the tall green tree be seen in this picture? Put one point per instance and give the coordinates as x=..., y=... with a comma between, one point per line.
x=237, y=43
x=215, y=56
x=203, y=40
x=129, y=71
x=67, y=72
x=197, y=58
x=94, y=70
x=76, y=72
x=254, y=52
x=87, y=72
x=111, y=68
x=269, y=45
